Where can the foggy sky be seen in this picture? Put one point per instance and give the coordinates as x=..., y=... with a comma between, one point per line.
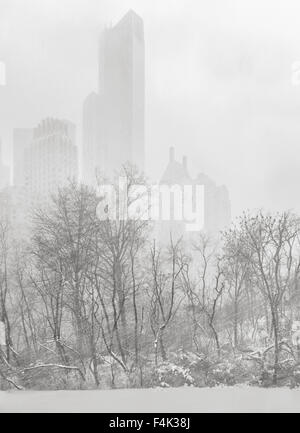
x=218, y=74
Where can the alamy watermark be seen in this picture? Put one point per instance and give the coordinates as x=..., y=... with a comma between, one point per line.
x=2, y=74
x=182, y=203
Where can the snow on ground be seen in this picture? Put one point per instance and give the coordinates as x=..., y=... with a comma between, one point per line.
x=180, y=400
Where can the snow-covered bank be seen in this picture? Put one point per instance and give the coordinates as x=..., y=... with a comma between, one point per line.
x=237, y=399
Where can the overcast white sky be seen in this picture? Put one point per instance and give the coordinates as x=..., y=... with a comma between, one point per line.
x=219, y=83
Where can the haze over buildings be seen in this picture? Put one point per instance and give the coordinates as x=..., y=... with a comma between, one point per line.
x=46, y=158
x=219, y=83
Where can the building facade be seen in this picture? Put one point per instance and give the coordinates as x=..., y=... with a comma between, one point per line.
x=51, y=160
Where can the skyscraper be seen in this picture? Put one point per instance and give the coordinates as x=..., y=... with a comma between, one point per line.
x=120, y=107
x=122, y=78
x=51, y=161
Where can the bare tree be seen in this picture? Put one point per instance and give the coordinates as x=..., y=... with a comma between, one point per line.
x=164, y=294
x=271, y=245
x=5, y=287
x=237, y=275
x=204, y=287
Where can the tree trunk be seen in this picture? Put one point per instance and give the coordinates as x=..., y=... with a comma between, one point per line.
x=216, y=338
x=276, y=344
x=162, y=348
x=235, y=324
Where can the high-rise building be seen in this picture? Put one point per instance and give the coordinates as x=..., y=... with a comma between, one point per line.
x=51, y=160
x=119, y=133
x=122, y=79
x=4, y=172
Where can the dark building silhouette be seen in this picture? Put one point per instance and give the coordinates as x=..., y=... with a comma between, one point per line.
x=217, y=206
x=118, y=136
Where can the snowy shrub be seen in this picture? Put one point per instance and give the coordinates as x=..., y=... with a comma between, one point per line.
x=171, y=375
x=295, y=377
x=230, y=372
